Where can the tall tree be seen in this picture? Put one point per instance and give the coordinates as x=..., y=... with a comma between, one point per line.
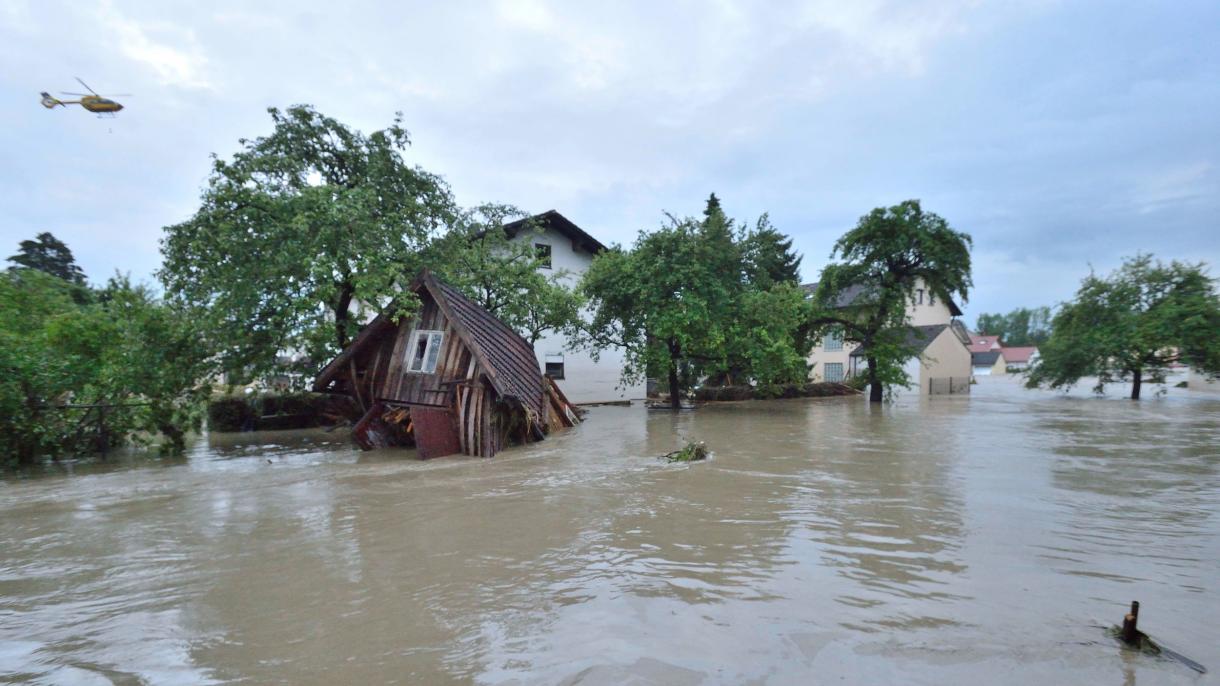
x=48, y=254
x=1022, y=326
x=769, y=257
x=880, y=263
x=1132, y=325
x=679, y=303
x=295, y=228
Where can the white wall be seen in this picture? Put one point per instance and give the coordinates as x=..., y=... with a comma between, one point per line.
x=585, y=381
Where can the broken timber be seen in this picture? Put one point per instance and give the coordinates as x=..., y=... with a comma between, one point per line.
x=453, y=379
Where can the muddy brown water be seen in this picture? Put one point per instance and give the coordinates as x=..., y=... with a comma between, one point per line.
x=982, y=539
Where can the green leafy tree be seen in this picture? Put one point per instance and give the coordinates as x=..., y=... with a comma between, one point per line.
x=1132, y=325
x=46, y=253
x=661, y=302
x=84, y=377
x=295, y=228
x=679, y=302
x=890, y=252
x=1022, y=326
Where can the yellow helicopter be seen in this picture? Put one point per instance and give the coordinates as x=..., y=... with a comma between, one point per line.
x=90, y=101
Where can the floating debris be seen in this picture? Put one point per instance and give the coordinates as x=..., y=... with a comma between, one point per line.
x=1130, y=634
x=693, y=452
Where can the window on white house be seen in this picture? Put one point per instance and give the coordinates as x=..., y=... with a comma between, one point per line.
x=424, y=351
x=554, y=366
x=543, y=252
x=918, y=296
x=833, y=340
x=833, y=371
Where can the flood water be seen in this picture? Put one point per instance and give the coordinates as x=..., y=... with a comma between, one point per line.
x=982, y=539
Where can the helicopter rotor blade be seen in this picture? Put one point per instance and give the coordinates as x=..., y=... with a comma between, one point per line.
x=121, y=95
x=85, y=85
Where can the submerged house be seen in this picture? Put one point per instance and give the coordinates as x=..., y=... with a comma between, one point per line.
x=566, y=251
x=942, y=364
x=452, y=379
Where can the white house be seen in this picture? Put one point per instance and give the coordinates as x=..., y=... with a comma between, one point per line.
x=567, y=250
x=943, y=365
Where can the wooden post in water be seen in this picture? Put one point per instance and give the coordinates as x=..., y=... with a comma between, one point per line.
x=1131, y=634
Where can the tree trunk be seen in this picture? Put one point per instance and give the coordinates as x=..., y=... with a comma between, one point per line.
x=1136, y=380
x=341, y=316
x=875, y=392
x=675, y=393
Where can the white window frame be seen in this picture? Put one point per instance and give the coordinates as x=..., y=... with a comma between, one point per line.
x=431, y=355
x=832, y=341
x=826, y=371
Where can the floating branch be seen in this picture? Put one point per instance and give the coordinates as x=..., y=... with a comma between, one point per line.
x=693, y=452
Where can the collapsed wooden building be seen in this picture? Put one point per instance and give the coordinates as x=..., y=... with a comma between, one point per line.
x=453, y=379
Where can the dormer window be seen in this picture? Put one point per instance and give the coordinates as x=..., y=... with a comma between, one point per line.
x=542, y=251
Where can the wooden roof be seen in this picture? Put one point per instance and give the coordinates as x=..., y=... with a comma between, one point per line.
x=505, y=356
x=508, y=359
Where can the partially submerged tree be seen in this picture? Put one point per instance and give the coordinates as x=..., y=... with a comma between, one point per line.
x=84, y=377
x=1132, y=325
x=864, y=295
x=1023, y=326
x=46, y=253
x=297, y=227
x=679, y=302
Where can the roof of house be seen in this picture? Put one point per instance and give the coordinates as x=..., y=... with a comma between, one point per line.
x=552, y=219
x=981, y=343
x=506, y=357
x=985, y=358
x=1020, y=353
x=917, y=337
x=849, y=295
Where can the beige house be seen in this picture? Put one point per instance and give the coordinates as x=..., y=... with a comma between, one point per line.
x=943, y=365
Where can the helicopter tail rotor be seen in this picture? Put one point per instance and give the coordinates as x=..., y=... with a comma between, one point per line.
x=50, y=102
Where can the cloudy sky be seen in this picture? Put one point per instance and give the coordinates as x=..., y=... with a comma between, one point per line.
x=1058, y=134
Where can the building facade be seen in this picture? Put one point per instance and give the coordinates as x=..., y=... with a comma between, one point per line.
x=943, y=365
x=567, y=251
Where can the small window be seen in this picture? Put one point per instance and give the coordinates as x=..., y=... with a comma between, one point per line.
x=833, y=371
x=833, y=340
x=424, y=351
x=918, y=296
x=543, y=252
x=931, y=298
x=554, y=366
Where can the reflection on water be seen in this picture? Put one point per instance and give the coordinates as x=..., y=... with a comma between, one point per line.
x=961, y=540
